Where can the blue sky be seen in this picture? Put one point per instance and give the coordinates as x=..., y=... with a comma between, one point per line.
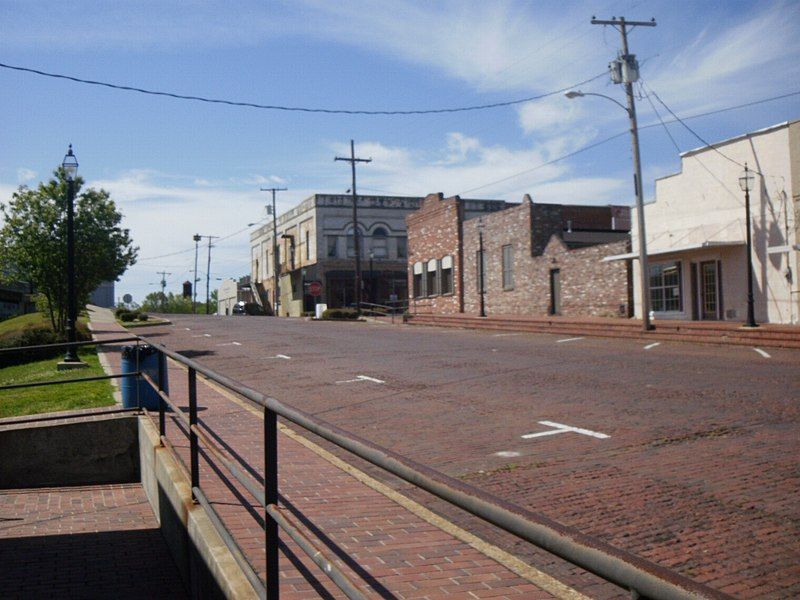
x=177, y=168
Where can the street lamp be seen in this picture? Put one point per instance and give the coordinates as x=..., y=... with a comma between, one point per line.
x=372, y=296
x=481, y=286
x=746, y=180
x=70, y=166
x=197, y=237
x=637, y=184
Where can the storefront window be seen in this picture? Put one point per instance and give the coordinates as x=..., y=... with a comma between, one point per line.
x=665, y=287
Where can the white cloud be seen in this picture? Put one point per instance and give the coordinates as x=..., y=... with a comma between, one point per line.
x=25, y=175
x=550, y=115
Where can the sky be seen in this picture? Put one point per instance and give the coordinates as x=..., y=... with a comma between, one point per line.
x=177, y=167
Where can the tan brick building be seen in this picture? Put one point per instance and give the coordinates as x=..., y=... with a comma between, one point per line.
x=538, y=259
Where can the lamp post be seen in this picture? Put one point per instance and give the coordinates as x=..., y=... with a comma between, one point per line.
x=70, y=166
x=372, y=296
x=197, y=237
x=481, y=287
x=746, y=184
x=644, y=274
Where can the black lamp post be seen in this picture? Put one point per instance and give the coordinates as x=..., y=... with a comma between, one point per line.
x=197, y=237
x=70, y=166
x=746, y=183
x=372, y=295
x=481, y=286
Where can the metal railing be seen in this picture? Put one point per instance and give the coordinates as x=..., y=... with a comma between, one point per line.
x=642, y=578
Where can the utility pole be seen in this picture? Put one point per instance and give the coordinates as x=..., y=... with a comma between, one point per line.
x=163, y=287
x=626, y=70
x=356, y=235
x=275, y=262
x=197, y=237
x=208, y=270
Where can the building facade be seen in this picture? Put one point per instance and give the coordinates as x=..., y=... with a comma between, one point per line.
x=534, y=259
x=316, y=243
x=696, y=232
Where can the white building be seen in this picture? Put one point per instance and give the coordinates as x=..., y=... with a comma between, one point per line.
x=696, y=232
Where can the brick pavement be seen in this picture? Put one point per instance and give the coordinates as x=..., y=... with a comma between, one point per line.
x=700, y=472
x=83, y=542
x=389, y=550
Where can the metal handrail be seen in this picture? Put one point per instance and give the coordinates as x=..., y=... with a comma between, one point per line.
x=613, y=564
x=69, y=344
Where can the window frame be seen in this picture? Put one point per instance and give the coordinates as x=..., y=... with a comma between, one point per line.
x=662, y=301
x=508, y=267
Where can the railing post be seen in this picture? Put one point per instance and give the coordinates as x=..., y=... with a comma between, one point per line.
x=138, y=378
x=271, y=497
x=193, y=445
x=162, y=421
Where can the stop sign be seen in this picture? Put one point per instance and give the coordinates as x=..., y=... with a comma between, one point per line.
x=314, y=288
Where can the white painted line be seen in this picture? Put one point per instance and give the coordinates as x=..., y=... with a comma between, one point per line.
x=188, y=328
x=762, y=353
x=494, y=349
x=505, y=334
x=283, y=356
x=508, y=454
x=569, y=339
x=653, y=345
x=206, y=335
x=230, y=344
x=361, y=378
x=561, y=428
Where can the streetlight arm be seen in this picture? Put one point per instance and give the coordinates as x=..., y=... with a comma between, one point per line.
x=579, y=94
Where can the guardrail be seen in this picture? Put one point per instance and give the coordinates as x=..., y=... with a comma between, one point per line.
x=642, y=578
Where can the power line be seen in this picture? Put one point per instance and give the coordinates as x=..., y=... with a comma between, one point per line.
x=613, y=137
x=331, y=111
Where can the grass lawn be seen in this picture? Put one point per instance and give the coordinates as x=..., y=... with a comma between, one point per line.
x=16, y=323
x=52, y=398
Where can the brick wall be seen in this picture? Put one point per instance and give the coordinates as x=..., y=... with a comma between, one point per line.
x=589, y=287
x=434, y=231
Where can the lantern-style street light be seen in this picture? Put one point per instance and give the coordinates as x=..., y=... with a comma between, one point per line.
x=746, y=184
x=481, y=274
x=70, y=166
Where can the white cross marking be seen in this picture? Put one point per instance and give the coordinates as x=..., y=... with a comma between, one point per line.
x=361, y=378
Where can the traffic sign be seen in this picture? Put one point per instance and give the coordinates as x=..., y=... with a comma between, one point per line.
x=314, y=288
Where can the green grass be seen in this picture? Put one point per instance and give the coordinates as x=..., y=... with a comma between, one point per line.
x=17, y=323
x=52, y=398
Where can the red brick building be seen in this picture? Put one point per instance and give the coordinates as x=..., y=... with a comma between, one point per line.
x=538, y=259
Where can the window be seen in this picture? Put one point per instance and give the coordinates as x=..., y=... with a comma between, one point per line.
x=508, y=267
x=351, y=244
x=665, y=287
x=432, y=277
x=402, y=252
x=480, y=272
x=446, y=279
x=419, y=292
x=308, y=246
x=379, y=243
x=332, y=242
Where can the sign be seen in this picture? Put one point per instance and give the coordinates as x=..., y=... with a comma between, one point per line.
x=127, y=298
x=314, y=288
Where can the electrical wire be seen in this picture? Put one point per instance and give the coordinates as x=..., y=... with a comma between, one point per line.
x=613, y=137
x=129, y=88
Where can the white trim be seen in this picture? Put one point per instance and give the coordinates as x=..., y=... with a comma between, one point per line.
x=680, y=250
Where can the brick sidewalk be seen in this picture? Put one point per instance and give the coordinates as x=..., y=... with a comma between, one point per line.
x=388, y=550
x=83, y=542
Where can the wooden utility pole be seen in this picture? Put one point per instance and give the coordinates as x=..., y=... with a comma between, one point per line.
x=626, y=70
x=163, y=287
x=275, y=262
x=356, y=234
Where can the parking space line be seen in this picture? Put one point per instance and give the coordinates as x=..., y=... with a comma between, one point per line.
x=561, y=428
x=505, y=334
x=229, y=344
x=569, y=340
x=762, y=353
x=362, y=378
x=653, y=345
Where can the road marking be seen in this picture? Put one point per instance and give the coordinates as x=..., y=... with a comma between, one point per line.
x=361, y=378
x=508, y=454
x=188, y=328
x=653, y=345
x=505, y=334
x=206, y=335
x=283, y=356
x=762, y=353
x=570, y=339
x=561, y=428
x=494, y=349
x=230, y=344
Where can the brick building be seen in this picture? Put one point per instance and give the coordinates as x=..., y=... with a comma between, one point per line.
x=538, y=259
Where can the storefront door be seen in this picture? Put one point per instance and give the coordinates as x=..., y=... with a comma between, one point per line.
x=709, y=291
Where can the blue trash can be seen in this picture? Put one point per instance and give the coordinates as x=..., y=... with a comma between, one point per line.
x=134, y=388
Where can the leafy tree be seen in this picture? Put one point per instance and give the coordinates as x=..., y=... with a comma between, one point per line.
x=33, y=242
x=176, y=304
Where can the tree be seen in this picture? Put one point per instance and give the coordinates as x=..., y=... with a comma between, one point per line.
x=176, y=304
x=33, y=242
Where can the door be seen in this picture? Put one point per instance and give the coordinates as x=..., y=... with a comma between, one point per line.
x=709, y=291
x=555, y=292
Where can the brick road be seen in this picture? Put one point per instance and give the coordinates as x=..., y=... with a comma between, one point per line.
x=700, y=472
x=391, y=551
x=83, y=542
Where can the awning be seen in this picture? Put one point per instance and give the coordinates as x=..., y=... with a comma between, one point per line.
x=679, y=250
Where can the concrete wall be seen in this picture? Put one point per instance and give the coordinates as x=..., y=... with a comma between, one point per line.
x=704, y=204
x=93, y=450
x=227, y=297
